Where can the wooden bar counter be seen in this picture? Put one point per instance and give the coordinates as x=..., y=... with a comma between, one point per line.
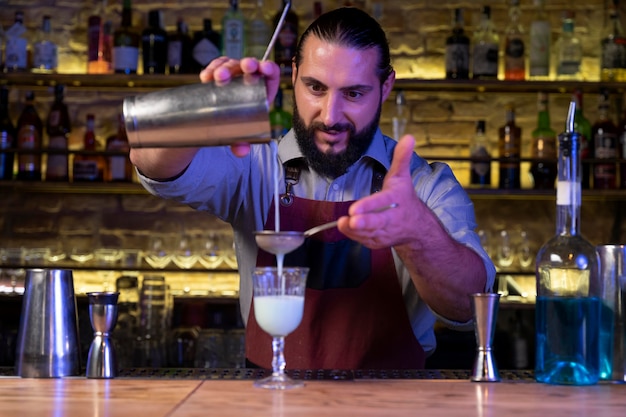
x=145, y=397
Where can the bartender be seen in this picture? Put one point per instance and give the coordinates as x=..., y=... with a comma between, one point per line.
x=379, y=282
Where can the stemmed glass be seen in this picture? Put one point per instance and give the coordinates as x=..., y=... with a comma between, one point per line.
x=278, y=309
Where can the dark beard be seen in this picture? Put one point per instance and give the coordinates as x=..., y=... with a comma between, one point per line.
x=333, y=165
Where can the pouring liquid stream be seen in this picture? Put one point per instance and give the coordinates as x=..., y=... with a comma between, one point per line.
x=280, y=256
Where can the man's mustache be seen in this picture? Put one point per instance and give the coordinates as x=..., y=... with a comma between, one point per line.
x=338, y=127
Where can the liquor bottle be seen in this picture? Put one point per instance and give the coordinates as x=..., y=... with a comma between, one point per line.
x=259, y=32
x=89, y=166
x=568, y=305
x=606, y=143
x=233, y=32
x=457, y=49
x=7, y=137
x=543, y=168
x=205, y=47
x=582, y=126
x=287, y=42
x=480, y=166
x=613, y=48
x=154, y=44
x=119, y=167
x=280, y=119
x=540, y=42
x=509, y=148
x=16, y=50
x=569, y=52
x=98, y=43
x=58, y=127
x=486, y=48
x=514, y=47
x=126, y=43
x=2, y=45
x=29, y=133
x=400, y=118
x=45, y=54
x=179, y=49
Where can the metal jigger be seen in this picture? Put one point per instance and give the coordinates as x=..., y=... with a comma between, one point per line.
x=485, y=307
x=101, y=362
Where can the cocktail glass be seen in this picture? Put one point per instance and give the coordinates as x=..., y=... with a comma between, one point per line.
x=278, y=309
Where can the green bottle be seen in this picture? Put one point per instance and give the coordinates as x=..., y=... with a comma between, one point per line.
x=280, y=119
x=233, y=32
x=543, y=168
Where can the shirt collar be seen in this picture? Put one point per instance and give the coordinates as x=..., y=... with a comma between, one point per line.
x=288, y=149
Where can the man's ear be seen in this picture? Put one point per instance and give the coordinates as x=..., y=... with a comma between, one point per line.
x=388, y=85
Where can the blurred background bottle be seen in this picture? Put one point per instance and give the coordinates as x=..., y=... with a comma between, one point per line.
x=179, y=49
x=457, y=49
x=99, y=41
x=514, y=45
x=280, y=119
x=540, y=43
x=205, y=46
x=16, y=50
x=401, y=116
x=154, y=44
x=621, y=127
x=582, y=126
x=233, y=32
x=45, y=51
x=568, y=51
x=58, y=127
x=119, y=167
x=480, y=171
x=486, y=48
x=613, y=48
x=543, y=148
x=509, y=149
x=126, y=42
x=29, y=134
x=285, y=47
x=89, y=166
x=7, y=137
x=605, y=140
x=258, y=33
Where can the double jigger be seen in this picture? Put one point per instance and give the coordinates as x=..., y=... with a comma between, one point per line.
x=485, y=306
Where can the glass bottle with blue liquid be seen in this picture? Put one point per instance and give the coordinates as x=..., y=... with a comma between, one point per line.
x=568, y=308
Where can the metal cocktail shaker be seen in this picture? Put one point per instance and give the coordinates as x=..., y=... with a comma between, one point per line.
x=196, y=115
x=48, y=343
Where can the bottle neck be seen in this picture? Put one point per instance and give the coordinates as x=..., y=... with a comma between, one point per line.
x=568, y=196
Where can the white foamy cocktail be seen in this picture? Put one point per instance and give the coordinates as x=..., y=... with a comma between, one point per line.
x=278, y=315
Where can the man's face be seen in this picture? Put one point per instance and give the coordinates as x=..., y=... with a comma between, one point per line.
x=337, y=104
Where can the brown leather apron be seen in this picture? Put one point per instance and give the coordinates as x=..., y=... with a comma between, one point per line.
x=354, y=313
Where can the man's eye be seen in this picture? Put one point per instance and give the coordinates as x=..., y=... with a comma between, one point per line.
x=354, y=94
x=316, y=87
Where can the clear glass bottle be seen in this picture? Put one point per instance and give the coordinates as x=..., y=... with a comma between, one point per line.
x=569, y=52
x=514, y=46
x=58, y=127
x=457, y=49
x=613, y=49
x=126, y=42
x=540, y=43
x=258, y=33
x=233, y=32
x=154, y=44
x=480, y=171
x=568, y=305
x=543, y=168
x=16, y=50
x=509, y=150
x=45, y=51
x=486, y=48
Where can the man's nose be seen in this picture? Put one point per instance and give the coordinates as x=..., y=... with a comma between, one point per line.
x=332, y=110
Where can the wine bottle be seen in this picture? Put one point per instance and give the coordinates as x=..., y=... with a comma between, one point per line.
x=58, y=127
x=568, y=306
x=126, y=43
x=89, y=166
x=29, y=133
x=480, y=171
x=509, y=149
x=154, y=44
x=7, y=137
x=543, y=148
x=457, y=49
